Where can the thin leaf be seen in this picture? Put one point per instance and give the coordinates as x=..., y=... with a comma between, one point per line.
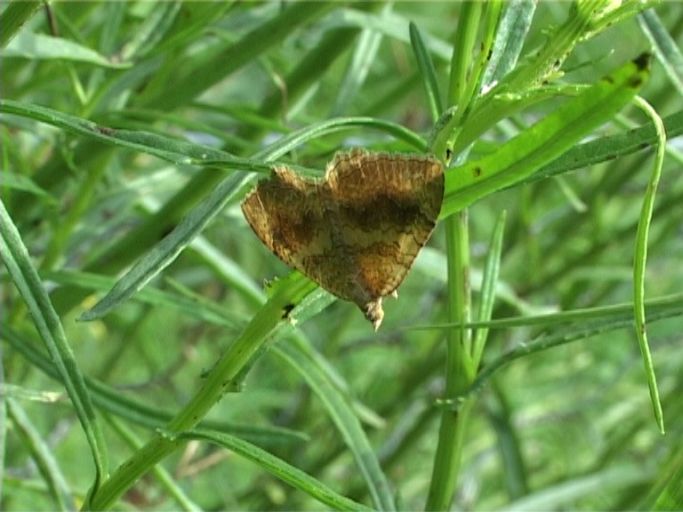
x=42, y=455
x=521, y=156
x=426, y=67
x=364, y=55
x=13, y=18
x=278, y=468
x=640, y=260
x=40, y=46
x=566, y=494
x=488, y=287
x=510, y=37
x=26, y=279
x=346, y=422
x=665, y=48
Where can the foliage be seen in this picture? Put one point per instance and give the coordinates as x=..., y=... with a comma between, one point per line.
x=137, y=336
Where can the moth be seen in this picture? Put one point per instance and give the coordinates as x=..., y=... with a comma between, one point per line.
x=357, y=231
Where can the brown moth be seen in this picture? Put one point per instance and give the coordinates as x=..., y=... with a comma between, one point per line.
x=357, y=231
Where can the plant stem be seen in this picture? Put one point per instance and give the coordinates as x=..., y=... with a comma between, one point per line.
x=222, y=378
x=459, y=371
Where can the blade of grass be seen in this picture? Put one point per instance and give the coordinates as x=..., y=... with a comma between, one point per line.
x=426, y=67
x=510, y=36
x=13, y=18
x=344, y=418
x=47, y=323
x=488, y=287
x=567, y=493
x=640, y=260
x=42, y=455
x=40, y=46
x=561, y=337
x=665, y=48
x=197, y=72
x=566, y=317
x=364, y=55
x=278, y=468
x=609, y=147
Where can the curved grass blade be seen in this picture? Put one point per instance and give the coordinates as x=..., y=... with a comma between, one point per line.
x=278, y=468
x=640, y=259
x=364, y=55
x=346, y=421
x=47, y=323
x=488, y=287
x=562, y=337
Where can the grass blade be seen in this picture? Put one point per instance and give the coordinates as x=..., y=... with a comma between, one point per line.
x=346, y=421
x=278, y=468
x=426, y=67
x=665, y=48
x=26, y=279
x=640, y=259
x=42, y=455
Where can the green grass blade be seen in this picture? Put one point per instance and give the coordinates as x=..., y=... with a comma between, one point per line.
x=566, y=494
x=43, y=47
x=13, y=18
x=510, y=36
x=560, y=337
x=357, y=71
x=28, y=282
x=426, y=67
x=546, y=140
x=346, y=421
x=667, y=492
x=488, y=287
x=463, y=51
x=42, y=455
x=640, y=260
x=664, y=46
x=197, y=72
x=609, y=147
x=278, y=468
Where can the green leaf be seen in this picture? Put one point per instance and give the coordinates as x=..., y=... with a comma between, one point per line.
x=42, y=47
x=13, y=18
x=47, y=323
x=43, y=456
x=523, y=155
x=665, y=48
x=345, y=420
x=278, y=468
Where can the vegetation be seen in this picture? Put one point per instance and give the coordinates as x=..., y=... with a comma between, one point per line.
x=155, y=355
